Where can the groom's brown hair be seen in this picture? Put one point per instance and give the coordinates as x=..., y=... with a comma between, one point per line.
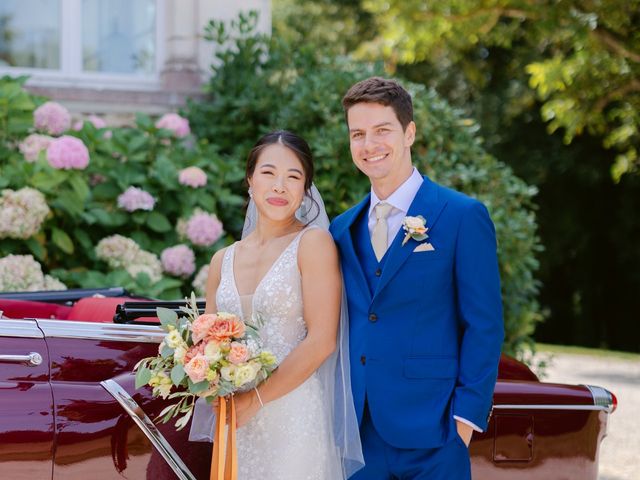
x=383, y=91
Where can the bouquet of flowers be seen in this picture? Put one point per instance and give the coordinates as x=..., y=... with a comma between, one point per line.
x=203, y=356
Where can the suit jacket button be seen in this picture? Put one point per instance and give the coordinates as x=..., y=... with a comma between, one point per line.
x=378, y=272
x=363, y=360
x=373, y=317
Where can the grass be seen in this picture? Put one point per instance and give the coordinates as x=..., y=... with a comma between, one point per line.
x=598, y=352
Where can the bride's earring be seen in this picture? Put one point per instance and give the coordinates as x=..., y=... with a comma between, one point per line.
x=250, y=192
x=304, y=207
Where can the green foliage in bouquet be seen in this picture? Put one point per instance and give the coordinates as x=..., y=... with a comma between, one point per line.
x=261, y=84
x=134, y=206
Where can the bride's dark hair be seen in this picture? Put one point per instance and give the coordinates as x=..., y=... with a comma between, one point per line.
x=301, y=150
x=290, y=140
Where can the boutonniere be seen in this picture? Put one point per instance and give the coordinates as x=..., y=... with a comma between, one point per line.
x=416, y=228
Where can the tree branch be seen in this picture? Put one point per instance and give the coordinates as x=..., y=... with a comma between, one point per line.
x=633, y=85
x=615, y=45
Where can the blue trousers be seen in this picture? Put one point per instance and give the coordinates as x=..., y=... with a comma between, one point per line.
x=384, y=462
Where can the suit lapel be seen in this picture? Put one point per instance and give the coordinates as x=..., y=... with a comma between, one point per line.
x=345, y=239
x=426, y=203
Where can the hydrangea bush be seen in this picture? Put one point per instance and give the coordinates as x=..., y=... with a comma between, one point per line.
x=96, y=205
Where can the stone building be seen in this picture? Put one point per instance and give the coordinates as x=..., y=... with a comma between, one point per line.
x=114, y=57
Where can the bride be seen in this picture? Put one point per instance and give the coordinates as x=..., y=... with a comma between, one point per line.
x=300, y=423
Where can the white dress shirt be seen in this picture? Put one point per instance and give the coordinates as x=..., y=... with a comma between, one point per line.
x=401, y=200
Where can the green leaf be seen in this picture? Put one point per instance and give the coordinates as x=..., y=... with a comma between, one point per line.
x=198, y=387
x=177, y=374
x=182, y=421
x=158, y=222
x=143, y=375
x=47, y=181
x=36, y=248
x=168, y=318
x=83, y=238
x=62, y=240
x=79, y=186
x=166, y=351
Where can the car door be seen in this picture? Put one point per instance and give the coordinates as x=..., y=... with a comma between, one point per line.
x=95, y=437
x=26, y=403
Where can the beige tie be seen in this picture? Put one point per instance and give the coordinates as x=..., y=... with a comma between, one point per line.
x=380, y=230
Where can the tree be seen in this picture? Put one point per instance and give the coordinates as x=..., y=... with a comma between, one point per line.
x=582, y=58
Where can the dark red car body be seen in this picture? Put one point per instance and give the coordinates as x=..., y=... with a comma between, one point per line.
x=58, y=422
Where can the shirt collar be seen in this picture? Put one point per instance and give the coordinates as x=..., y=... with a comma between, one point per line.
x=403, y=196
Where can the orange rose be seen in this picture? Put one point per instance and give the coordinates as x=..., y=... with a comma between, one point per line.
x=226, y=327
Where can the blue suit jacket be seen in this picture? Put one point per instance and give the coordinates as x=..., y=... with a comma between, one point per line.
x=426, y=344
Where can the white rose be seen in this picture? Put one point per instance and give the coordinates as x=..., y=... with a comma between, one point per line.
x=244, y=374
x=413, y=222
x=228, y=372
x=212, y=351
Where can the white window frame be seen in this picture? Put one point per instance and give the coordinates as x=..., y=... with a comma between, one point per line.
x=70, y=73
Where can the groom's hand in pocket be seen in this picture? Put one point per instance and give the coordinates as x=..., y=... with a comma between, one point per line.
x=465, y=431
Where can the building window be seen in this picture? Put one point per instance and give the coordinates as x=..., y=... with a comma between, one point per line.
x=30, y=33
x=119, y=36
x=71, y=41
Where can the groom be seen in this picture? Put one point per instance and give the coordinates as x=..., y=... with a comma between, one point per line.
x=424, y=306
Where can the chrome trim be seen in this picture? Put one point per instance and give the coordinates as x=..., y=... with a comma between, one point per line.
x=33, y=359
x=101, y=331
x=550, y=407
x=19, y=328
x=149, y=429
x=601, y=397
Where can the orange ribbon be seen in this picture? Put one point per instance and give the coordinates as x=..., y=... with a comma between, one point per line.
x=224, y=465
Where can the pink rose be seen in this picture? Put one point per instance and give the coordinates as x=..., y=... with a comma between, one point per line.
x=238, y=353
x=193, y=351
x=201, y=325
x=197, y=368
x=227, y=327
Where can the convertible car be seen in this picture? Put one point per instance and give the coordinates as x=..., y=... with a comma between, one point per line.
x=69, y=408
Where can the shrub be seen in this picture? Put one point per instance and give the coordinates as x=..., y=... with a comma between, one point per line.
x=83, y=186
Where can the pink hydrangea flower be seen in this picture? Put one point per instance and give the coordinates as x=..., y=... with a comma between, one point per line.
x=134, y=199
x=179, y=261
x=96, y=122
x=174, y=122
x=31, y=146
x=67, y=153
x=192, y=177
x=202, y=229
x=52, y=118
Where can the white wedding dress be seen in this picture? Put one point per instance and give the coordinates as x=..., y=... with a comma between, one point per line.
x=290, y=438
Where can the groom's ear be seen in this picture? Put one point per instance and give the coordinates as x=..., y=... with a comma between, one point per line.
x=410, y=133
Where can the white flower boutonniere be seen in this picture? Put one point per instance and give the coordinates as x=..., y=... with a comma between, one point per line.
x=416, y=228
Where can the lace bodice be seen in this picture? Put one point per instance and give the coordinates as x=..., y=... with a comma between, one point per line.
x=277, y=301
